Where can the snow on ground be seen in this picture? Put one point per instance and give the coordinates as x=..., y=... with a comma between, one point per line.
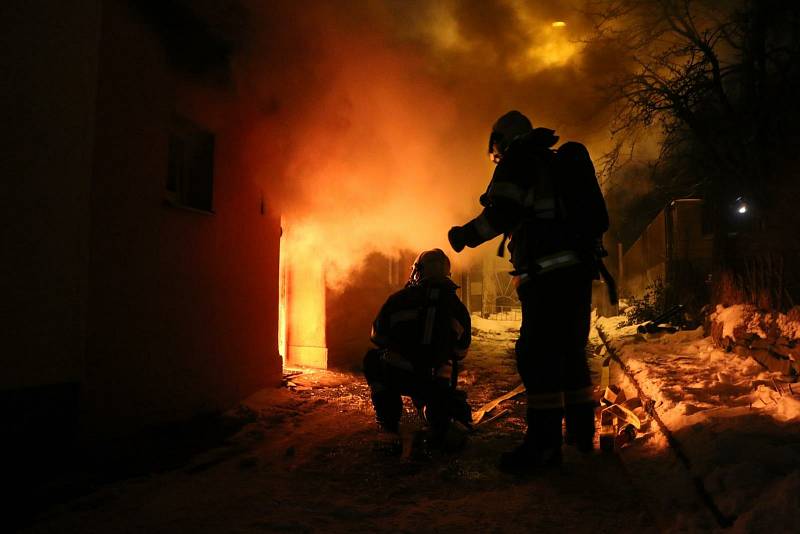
x=734, y=317
x=737, y=423
x=483, y=326
x=310, y=459
x=752, y=320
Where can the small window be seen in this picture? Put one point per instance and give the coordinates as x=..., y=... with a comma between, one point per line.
x=190, y=173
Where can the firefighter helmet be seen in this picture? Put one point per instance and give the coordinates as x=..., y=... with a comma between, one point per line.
x=507, y=128
x=430, y=264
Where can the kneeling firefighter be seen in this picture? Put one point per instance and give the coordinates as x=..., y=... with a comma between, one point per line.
x=549, y=204
x=421, y=332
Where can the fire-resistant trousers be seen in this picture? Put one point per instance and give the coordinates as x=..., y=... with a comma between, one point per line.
x=388, y=382
x=551, y=356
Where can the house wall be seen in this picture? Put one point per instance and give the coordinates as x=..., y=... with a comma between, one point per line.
x=689, y=267
x=473, y=286
x=674, y=247
x=182, y=305
x=49, y=66
x=690, y=241
x=601, y=300
x=646, y=259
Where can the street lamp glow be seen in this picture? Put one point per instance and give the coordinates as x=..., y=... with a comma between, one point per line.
x=741, y=206
x=559, y=24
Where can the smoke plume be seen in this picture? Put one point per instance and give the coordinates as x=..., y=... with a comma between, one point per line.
x=371, y=118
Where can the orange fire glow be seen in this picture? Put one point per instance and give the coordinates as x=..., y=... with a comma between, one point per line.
x=374, y=140
x=301, y=334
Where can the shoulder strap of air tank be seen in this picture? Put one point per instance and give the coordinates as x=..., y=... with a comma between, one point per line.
x=558, y=199
x=501, y=248
x=430, y=315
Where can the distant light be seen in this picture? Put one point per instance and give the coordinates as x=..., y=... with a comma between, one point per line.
x=741, y=206
x=559, y=24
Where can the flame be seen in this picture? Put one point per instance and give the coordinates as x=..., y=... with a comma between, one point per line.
x=301, y=321
x=379, y=172
x=283, y=344
x=367, y=141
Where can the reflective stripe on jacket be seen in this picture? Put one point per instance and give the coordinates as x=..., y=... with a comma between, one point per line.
x=427, y=324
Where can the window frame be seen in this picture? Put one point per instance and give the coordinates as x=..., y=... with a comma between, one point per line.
x=188, y=145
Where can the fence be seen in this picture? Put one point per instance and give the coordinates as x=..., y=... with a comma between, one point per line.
x=506, y=313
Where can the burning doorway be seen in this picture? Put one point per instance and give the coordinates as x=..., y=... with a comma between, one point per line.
x=301, y=318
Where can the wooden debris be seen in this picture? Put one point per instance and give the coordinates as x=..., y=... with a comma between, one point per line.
x=606, y=369
x=633, y=404
x=778, y=389
x=291, y=374
x=613, y=395
x=623, y=414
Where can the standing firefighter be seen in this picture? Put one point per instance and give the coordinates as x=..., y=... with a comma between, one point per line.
x=421, y=332
x=549, y=204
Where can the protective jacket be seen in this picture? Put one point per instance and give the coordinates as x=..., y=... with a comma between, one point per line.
x=542, y=199
x=549, y=203
x=426, y=324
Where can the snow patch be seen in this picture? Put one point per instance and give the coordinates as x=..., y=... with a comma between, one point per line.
x=493, y=325
x=732, y=317
x=754, y=321
x=736, y=421
x=789, y=326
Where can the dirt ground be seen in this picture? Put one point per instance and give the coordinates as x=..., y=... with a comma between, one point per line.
x=310, y=459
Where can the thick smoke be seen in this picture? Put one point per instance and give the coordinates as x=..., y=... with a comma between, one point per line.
x=371, y=120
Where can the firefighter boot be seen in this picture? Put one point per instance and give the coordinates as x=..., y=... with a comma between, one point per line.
x=579, y=420
x=443, y=436
x=388, y=408
x=541, y=448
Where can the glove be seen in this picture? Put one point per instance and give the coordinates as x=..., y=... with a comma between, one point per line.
x=457, y=238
